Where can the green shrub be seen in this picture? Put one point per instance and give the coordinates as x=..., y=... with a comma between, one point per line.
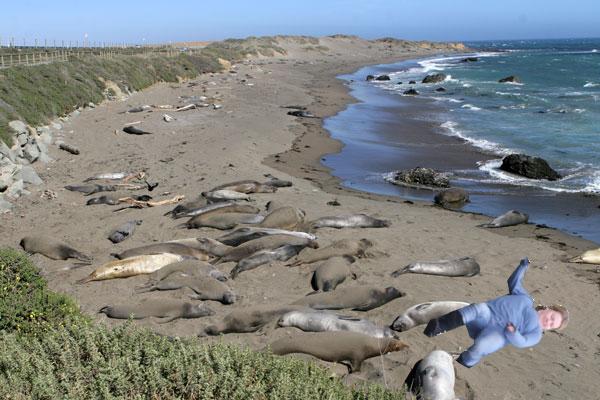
x=129, y=362
x=26, y=304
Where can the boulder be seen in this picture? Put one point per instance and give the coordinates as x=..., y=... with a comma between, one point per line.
x=434, y=78
x=529, y=167
x=18, y=127
x=469, y=59
x=22, y=138
x=29, y=175
x=6, y=152
x=5, y=206
x=410, y=92
x=420, y=176
x=16, y=189
x=510, y=79
x=412, y=82
x=383, y=78
x=370, y=77
x=31, y=152
x=440, y=89
x=453, y=197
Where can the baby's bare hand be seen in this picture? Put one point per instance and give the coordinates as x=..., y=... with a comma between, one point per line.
x=510, y=327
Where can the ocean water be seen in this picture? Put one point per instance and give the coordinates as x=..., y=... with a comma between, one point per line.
x=554, y=113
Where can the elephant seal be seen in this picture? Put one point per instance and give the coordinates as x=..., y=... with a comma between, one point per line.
x=510, y=218
x=331, y=273
x=109, y=200
x=283, y=218
x=51, y=249
x=249, y=319
x=451, y=198
x=91, y=188
x=132, y=130
x=169, y=310
x=349, y=221
x=340, y=248
x=361, y=298
x=348, y=348
x=158, y=248
x=325, y=321
x=261, y=257
x=588, y=257
x=224, y=195
x=465, y=266
x=186, y=267
x=222, y=221
x=132, y=266
x=267, y=242
x=422, y=313
x=247, y=187
x=433, y=377
x=182, y=209
x=222, y=208
x=124, y=231
x=205, y=288
x=247, y=233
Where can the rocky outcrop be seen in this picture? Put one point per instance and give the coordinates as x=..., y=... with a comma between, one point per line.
x=411, y=92
x=383, y=78
x=451, y=198
x=370, y=78
x=434, y=78
x=529, y=167
x=419, y=177
x=510, y=79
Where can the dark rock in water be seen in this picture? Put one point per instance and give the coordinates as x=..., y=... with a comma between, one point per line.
x=411, y=92
x=382, y=78
x=420, y=176
x=412, y=82
x=302, y=114
x=434, y=78
x=370, y=77
x=510, y=79
x=440, y=89
x=469, y=59
x=453, y=197
x=399, y=83
x=529, y=167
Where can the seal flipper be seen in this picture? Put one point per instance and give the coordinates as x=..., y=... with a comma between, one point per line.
x=401, y=271
x=313, y=283
x=72, y=253
x=165, y=320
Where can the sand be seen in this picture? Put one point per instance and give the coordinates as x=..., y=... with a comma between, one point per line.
x=251, y=136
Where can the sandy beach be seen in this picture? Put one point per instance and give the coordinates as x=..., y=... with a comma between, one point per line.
x=252, y=136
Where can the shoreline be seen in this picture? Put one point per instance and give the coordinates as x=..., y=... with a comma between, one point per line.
x=306, y=162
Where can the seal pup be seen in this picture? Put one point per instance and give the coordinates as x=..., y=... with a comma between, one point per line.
x=132, y=130
x=261, y=257
x=51, y=249
x=512, y=217
x=349, y=221
x=283, y=218
x=433, y=377
x=331, y=273
x=167, y=310
x=124, y=231
x=247, y=233
x=422, y=313
x=263, y=243
x=247, y=187
x=348, y=348
x=325, y=321
x=248, y=319
x=137, y=265
x=186, y=267
x=588, y=257
x=224, y=195
x=159, y=248
x=465, y=266
x=340, y=248
x=361, y=298
x=222, y=221
x=205, y=288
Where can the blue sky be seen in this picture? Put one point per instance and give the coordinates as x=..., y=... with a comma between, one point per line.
x=152, y=21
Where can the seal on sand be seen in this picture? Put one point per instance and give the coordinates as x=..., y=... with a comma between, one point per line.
x=158, y=248
x=51, y=249
x=331, y=273
x=433, y=377
x=451, y=198
x=132, y=266
x=510, y=218
x=340, y=248
x=249, y=319
x=589, y=257
x=247, y=233
x=422, y=313
x=247, y=187
x=182, y=209
x=267, y=242
x=124, y=231
x=465, y=266
x=224, y=195
x=283, y=218
x=205, y=288
x=222, y=208
x=325, y=321
x=169, y=310
x=348, y=348
x=361, y=298
x=261, y=257
x=349, y=221
x=222, y=221
x=187, y=267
